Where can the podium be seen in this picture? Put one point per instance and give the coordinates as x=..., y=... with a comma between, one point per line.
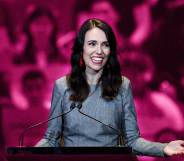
x=70, y=154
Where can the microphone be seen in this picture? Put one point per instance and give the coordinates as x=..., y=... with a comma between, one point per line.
x=119, y=132
x=21, y=138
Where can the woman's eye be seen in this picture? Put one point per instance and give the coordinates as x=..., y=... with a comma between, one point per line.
x=92, y=44
x=106, y=45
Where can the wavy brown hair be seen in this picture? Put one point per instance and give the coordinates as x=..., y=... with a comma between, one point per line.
x=110, y=80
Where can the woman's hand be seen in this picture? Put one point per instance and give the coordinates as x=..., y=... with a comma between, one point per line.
x=174, y=148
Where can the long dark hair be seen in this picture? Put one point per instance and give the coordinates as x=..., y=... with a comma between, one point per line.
x=6, y=20
x=29, y=52
x=110, y=79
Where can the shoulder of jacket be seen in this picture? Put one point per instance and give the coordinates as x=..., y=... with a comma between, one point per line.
x=61, y=83
x=125, y=82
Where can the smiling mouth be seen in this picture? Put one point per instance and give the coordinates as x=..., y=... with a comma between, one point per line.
x=97, y=60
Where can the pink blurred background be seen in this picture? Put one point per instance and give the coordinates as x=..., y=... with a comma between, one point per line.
x=36, y=38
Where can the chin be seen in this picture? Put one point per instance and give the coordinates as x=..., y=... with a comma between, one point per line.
x=96, y=69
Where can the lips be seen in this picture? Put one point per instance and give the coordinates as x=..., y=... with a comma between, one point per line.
x=97, y=60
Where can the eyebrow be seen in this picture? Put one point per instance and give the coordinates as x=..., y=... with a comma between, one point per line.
x=96, y=41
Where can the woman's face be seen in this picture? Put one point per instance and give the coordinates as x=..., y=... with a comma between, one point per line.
x=41, y=28
x=96, y=50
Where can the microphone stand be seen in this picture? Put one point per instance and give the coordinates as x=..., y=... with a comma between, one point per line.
x=21, y=138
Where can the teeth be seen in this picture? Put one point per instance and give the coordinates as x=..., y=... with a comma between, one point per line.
x=97, y=59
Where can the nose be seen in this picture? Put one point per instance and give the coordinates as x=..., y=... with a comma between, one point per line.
x=99, y=49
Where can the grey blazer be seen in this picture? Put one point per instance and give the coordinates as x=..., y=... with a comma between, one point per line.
x=79, y=130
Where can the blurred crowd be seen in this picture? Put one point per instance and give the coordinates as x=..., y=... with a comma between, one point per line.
x=150, y=38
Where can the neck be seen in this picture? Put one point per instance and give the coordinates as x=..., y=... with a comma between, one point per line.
x=41, y=45
x=93, y=76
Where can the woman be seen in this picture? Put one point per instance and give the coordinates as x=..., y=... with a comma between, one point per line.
x=95, y=90
x=41, y=32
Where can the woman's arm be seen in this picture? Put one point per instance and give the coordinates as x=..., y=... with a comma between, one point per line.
x=131, y=131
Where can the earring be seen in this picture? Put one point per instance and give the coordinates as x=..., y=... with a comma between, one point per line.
x=81, y=61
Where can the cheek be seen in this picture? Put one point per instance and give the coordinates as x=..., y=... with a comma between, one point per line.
x=86, y=58
x=106, y=58
x=88, y=50
x=106, y=51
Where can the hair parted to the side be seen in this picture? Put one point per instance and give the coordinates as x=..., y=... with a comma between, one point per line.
x=110, y=80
